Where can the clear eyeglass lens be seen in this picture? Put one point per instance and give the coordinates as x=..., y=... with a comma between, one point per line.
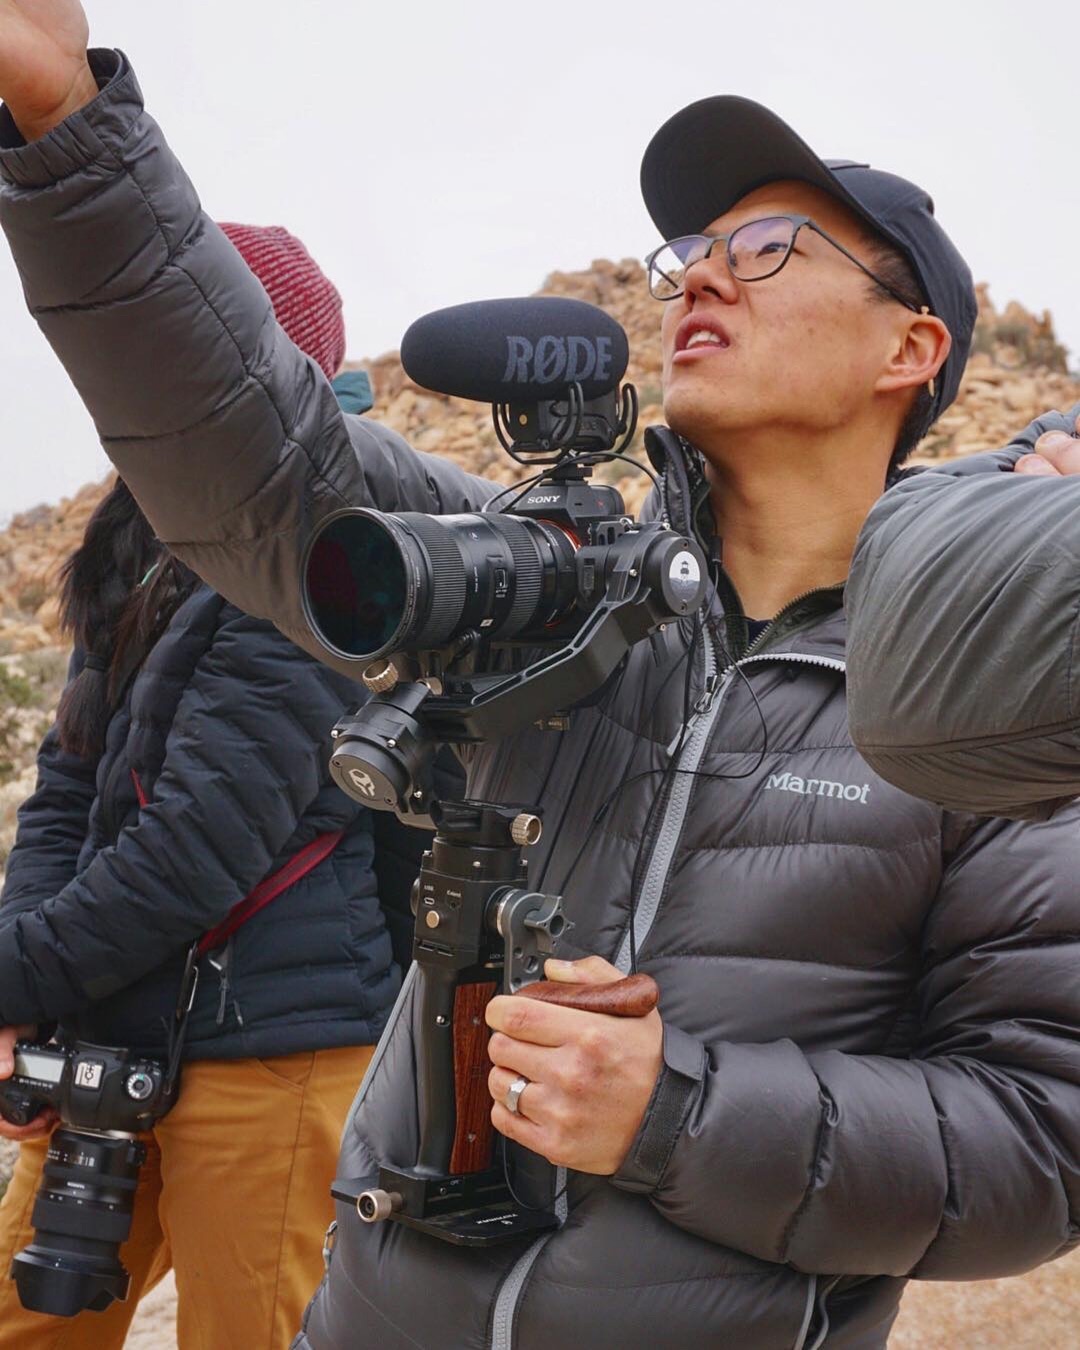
x=755, y=250
x=667, y=270
x=760, y=248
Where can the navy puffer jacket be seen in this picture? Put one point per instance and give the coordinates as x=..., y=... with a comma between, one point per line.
x=226, y=729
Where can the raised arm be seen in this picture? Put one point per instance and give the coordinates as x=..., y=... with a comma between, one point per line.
x=230, y=438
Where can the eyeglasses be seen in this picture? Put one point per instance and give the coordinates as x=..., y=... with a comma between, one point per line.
x=756, y=250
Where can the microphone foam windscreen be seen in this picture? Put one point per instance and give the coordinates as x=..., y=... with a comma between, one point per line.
x=517, y=350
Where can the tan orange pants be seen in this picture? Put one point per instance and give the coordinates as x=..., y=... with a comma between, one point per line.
x=234, y=1196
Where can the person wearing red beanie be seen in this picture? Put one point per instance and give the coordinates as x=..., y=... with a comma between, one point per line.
x=306, y=304
x=235, y=1188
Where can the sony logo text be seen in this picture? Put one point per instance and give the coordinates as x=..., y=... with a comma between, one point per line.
x=818, y=787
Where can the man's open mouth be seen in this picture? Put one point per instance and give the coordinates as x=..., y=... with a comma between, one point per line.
x=695, y=333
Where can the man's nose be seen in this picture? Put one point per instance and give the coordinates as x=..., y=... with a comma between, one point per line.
x=711, y=275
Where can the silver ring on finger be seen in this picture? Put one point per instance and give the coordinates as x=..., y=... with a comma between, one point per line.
x=512, y=1100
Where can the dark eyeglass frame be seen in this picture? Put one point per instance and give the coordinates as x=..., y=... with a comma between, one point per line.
x=710, y=241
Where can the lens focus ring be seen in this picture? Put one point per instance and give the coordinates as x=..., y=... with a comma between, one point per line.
x=447, y=589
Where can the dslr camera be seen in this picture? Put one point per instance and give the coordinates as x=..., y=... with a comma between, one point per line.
x=82, y=1213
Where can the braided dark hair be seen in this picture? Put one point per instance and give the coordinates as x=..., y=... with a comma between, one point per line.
x=118, y=591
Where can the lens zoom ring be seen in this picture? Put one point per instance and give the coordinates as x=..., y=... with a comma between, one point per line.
x=528, y=576
x=447, y=594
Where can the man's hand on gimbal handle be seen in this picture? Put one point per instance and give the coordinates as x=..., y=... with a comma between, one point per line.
x=590, y=1074
x=1056, y=455
x=634, y=996
x=45, y=1122
x=44, y=75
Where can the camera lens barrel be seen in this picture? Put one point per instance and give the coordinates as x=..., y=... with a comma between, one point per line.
x=376, y=583
x=81, y=1217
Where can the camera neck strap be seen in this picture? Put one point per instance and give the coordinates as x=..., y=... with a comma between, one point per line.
x=268, y=890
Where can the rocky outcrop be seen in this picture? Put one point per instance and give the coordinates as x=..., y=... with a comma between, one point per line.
x=32, y=551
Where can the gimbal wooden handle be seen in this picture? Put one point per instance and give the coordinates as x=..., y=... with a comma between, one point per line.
x=634, y=996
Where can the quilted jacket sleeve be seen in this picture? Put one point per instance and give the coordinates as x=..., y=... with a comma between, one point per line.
x=960, y=1162
x=52, y=824
x=244, y=759
x=964, y=638
x=229, y=436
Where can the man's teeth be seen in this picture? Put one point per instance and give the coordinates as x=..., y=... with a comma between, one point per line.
x=704, y=336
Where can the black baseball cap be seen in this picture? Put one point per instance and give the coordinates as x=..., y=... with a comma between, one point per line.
x=712, y=153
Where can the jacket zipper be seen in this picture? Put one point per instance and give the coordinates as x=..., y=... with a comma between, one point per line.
x=778, y=622
x=695, y=738
x=796, y=658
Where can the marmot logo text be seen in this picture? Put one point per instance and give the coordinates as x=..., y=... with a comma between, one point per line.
x=818, y=787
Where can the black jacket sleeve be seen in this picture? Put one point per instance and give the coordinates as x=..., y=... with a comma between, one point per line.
x=244, y=759
x=961, y=1162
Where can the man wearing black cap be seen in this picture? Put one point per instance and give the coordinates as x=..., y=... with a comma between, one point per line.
x=808, y=388
x=866, y=1065
x=936, y=614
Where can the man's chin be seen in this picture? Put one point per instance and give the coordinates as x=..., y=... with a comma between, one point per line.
x=693, y=421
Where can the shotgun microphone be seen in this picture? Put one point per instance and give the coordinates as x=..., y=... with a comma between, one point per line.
x=517, y=350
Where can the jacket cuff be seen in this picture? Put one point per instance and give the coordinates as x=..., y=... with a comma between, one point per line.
x=82, y=138
x=678, y=1086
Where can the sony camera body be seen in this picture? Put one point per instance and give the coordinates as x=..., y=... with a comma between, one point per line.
x=91, y=1087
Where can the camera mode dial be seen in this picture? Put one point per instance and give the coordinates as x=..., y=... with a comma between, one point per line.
x=139, y=1086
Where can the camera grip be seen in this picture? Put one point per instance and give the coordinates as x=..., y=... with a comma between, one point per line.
x=474, y=1134
x=634, y=996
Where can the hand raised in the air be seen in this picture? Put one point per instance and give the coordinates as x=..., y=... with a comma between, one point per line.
x=44, y=75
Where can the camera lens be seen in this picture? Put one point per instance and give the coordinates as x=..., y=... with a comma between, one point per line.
x=81, y=1217
x=374, y=584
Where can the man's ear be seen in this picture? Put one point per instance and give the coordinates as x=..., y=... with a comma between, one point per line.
x=918, y=354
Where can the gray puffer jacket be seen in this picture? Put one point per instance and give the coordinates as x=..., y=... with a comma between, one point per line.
x=872, y=1016
x=965, y=640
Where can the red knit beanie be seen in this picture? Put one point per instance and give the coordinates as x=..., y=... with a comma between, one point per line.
x=305, y=301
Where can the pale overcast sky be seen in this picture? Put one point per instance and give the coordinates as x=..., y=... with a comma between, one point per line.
x=434, y=153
